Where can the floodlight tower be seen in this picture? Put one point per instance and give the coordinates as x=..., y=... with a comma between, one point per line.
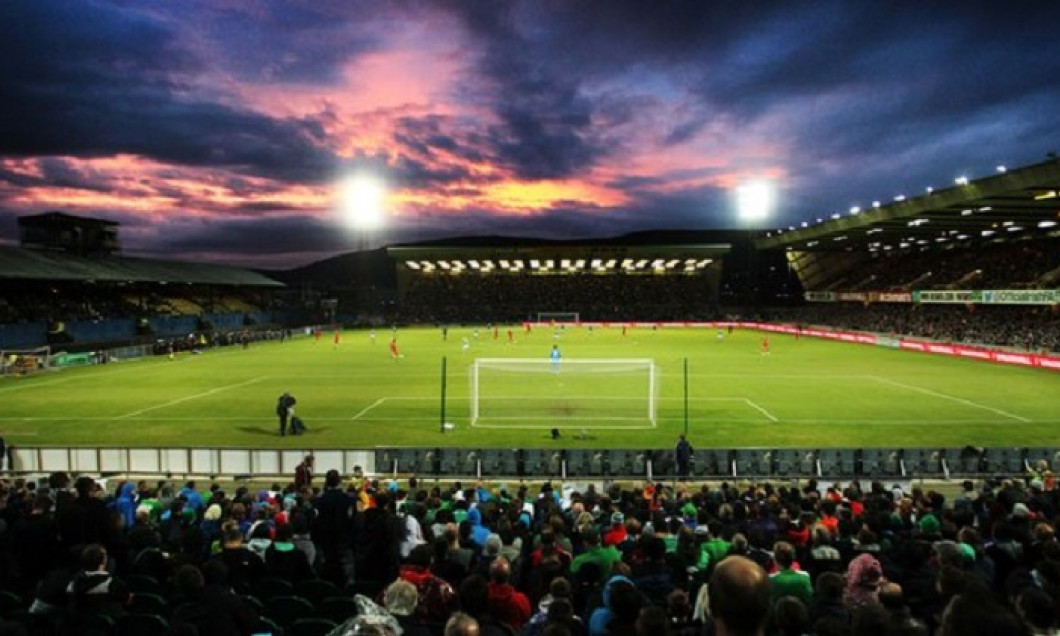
x=755, y=201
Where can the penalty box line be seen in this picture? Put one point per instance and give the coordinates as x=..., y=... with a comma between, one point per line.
x=383, y=400
x=917, y=389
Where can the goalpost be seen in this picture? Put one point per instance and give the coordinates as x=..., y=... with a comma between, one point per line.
x=583, y=393
x=25, y=361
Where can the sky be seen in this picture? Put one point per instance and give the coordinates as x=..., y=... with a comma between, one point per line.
x=225, y=130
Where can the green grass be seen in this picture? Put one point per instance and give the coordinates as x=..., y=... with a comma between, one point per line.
x=806, y=393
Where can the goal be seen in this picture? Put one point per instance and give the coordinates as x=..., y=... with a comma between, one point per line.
x=581, y=393
x=546, y=317
x=25, y=361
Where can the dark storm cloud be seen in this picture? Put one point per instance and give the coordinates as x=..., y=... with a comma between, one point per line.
x=243, y=237
x=86, y=80
x=545, y=129
x=287, y=42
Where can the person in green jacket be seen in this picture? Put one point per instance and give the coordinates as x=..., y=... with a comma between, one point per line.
x=603, y=557
x=787, y=581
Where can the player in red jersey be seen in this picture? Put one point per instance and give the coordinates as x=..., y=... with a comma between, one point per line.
x=765, y=345
x=394, y=349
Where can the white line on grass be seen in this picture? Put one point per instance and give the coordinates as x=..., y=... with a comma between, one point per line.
x=761, y=410
x=192, y=397
x=952, y=398
x=368, y=408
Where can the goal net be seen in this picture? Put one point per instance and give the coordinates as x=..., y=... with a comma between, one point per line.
x=546, y=317
x=25, y=361
x=596, y=393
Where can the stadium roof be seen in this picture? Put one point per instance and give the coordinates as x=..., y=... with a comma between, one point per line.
x=32, y=264
x=629, y=253
x=1012, y=204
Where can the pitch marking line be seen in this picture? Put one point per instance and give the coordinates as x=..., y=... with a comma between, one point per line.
x=761, y=410
x=192, y=397
x=949, y=397
x=368, y=408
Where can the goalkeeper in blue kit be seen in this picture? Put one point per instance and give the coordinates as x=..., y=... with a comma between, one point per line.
x=555, y=356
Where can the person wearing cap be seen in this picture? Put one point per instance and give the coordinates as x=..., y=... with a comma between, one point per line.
x=616, y=534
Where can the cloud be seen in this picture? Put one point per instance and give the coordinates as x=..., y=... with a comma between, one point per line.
x=93, y=81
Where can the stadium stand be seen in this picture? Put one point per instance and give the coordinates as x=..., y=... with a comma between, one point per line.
x=149, y=554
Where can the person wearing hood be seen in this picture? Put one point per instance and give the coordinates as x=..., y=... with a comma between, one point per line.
x=558, y=589
x=479, y=532
x=125, y=504
x=621, y=606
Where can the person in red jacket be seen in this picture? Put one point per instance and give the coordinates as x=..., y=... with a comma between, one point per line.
x=616, y=534
x=507, y=604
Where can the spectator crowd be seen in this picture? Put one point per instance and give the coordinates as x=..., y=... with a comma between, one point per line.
x=361, y=556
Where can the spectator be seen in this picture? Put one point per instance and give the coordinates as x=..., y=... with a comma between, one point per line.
x=401, y=599
x=210, y=609
x=94, y=590
x=436, y=599
x=507, y=604
x=739, y=597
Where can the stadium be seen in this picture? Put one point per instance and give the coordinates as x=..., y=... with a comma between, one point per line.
x=915, y=339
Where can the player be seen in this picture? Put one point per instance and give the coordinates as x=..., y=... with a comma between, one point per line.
x=496, y=333
x=337, y=338
x=765, y=345
x=511, y=336
x=555, y=357
x=371, y=335
x=445, y=333
x=394, y=349
x=623, y=331
x=465, y=345
x=475, y=333
x=721, y=334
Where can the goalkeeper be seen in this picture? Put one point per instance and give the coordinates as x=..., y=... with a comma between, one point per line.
x=555, y=357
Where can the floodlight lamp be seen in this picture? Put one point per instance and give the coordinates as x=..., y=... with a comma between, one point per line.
x=875, y=204
x=755, y=200
x=362, y=202
x=1045, y=224
x=855, y=210
x=1002, y=169
x=412, y=264
x=961, y=180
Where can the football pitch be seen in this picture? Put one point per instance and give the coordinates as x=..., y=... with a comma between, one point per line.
x=804, y=393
